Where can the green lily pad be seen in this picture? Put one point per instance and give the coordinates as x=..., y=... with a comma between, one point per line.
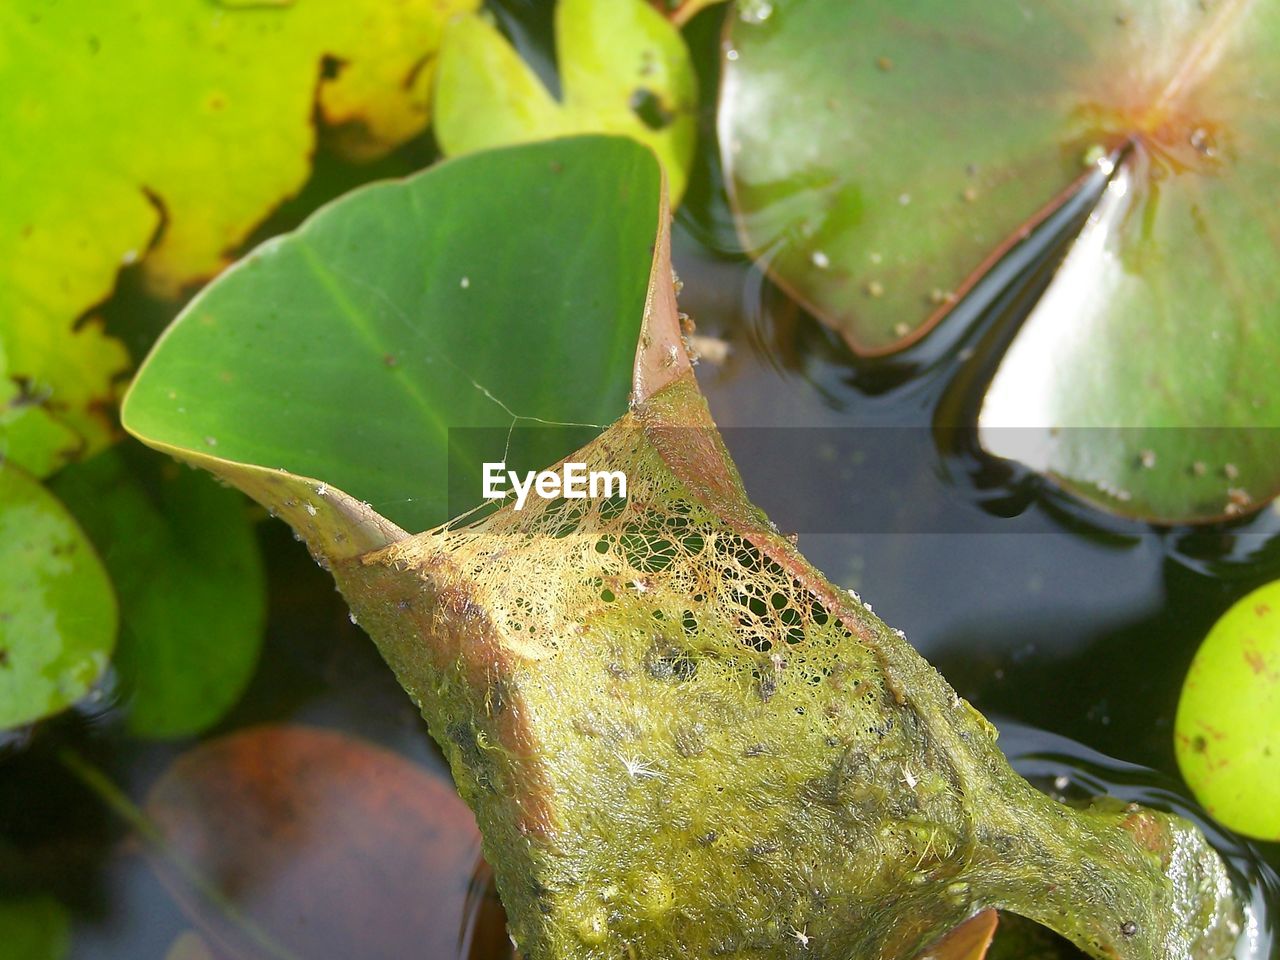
x=244, y=381
x=623, y=70
x=1227, y=731
x=35, y=928
x=883, y=155
x=57, y=611
x=162, y=131
x=182, y=555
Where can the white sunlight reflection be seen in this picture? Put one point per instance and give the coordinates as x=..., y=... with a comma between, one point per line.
x=1024, y=392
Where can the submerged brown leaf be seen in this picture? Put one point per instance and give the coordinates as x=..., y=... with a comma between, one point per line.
x=330, y=846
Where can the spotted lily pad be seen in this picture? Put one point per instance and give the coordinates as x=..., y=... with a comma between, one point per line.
x=883, y=155
x=1227, y=732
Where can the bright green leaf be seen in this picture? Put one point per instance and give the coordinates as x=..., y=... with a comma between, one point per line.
x=182, y=555
x=1227, y=732
x=35, y=928
x=882, y=155
x=402, y=293
x=174, y=126
x=57, y=611
x=623, y=70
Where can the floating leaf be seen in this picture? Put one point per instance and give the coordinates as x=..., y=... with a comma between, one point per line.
x=332, y=847
x=167, y=130
x=183, y=557
x=35, y=928
x=57, y=611
x=679, y=738
x=30, y=436
x=57, y=386
x=623, y=70
x=406, y=289
x=883, y=155
x=1227, y=731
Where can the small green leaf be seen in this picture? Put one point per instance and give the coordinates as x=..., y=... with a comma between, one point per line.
x=35, y=928
x=1227, y=732
x=623, y=69
x=57, y=611
x=182, y=554
x=350, y=356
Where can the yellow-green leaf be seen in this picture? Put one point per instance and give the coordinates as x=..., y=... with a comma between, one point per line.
x=1227, y=732
x=166, y=131
x=623, y=69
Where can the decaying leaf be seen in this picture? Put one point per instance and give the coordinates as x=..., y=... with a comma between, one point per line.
x=679, y=739
x=678, y=736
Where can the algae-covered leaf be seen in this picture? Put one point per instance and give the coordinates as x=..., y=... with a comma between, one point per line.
x=163, y=131
x=623, y=70
x=1227, y=731
x=357, y=354
x=35, y=928
x=329, y=846
x=184, y=562
x=883, y=155
x=57, y=611
x=678, y=738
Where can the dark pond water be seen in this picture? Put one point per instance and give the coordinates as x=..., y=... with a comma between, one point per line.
x=1072, y=631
